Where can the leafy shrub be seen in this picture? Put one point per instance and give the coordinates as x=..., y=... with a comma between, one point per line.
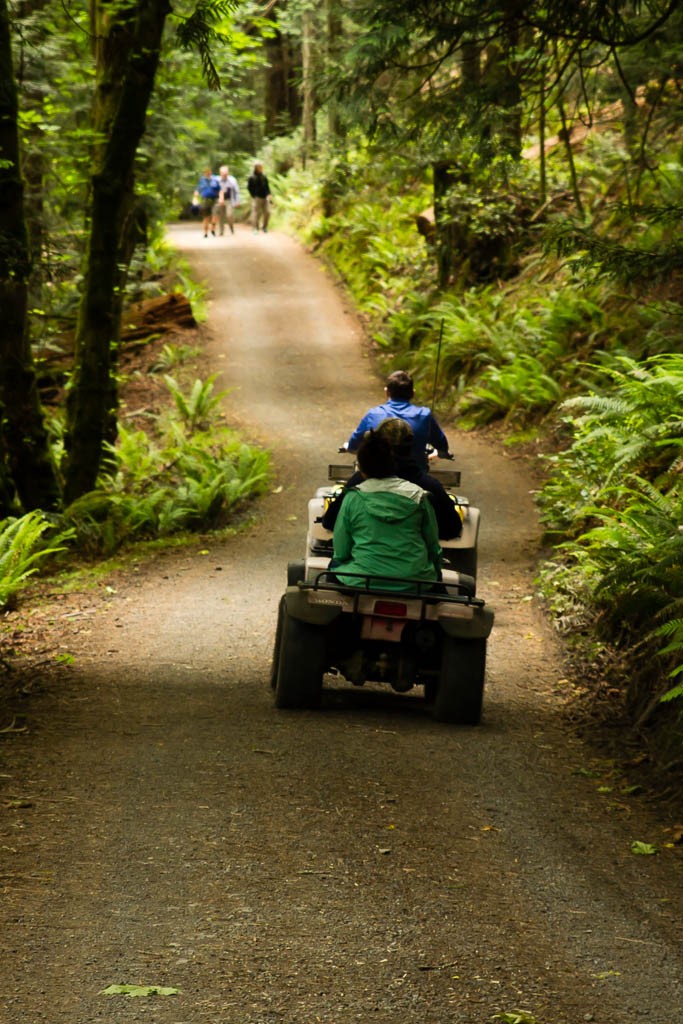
x=633, y=425
x=195, y=409
x=191, y=477
x=616, y=493
x=171, y=356
x=23, y=549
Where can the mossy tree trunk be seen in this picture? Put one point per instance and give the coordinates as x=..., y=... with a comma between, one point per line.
x=443, y=177
x=333, y=48
x=307, y=89
x=28, y=463
x=128, y=42
x=282, y=98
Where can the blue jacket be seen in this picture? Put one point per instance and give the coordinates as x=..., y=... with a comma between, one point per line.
x=208, y=188
x=425, y=428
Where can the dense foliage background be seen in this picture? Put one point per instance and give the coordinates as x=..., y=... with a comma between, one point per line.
x=498, y=184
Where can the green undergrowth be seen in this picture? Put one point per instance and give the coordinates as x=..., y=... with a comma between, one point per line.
x=191, y=474
x=186, y=475
x=84, y=573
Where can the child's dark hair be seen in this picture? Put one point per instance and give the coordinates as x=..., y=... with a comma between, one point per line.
x=398, y=434
x=375, y=456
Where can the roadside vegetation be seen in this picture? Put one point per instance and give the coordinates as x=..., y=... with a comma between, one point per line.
x=500, y=189
x=184, y=472
x=579, y=364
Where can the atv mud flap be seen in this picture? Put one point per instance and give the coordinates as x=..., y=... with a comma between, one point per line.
x=476, y=626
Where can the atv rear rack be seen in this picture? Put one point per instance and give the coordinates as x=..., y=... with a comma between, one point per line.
x=368, y=586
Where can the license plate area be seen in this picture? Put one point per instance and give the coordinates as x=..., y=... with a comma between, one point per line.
x=375, y=627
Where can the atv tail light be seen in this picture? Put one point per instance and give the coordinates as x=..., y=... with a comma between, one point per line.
x=396, y=609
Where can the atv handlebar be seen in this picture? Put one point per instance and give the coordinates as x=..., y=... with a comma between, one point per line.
x=431, y=452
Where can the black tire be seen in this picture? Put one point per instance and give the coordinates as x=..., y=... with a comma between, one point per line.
x=295, y=571
x=460, y=693
x=301, y=663
x=276, y=646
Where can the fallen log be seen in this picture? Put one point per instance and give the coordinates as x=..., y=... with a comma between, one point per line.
x=157, y=316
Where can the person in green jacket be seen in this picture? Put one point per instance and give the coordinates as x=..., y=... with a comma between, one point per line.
x=386, y=526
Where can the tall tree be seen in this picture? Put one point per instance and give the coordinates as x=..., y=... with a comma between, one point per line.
x=283, y=52
x=127, y=38
x=333, y=48
x=128, y=42
x=307, y=80
x=29, y=466
x=455, y=74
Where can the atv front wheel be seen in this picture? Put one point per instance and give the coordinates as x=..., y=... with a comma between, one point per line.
x=301, y=663
x=460, y=692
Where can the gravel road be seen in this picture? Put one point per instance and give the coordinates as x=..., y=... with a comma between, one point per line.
x=164, y=825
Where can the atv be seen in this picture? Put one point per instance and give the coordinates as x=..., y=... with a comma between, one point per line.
x=426, y=635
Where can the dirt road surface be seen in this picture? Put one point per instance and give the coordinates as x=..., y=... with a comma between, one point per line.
x=164, y=825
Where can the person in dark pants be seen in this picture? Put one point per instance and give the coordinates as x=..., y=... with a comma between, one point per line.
x=228, y=199
x=399, y=435
x=259, y=190
x=206, y=194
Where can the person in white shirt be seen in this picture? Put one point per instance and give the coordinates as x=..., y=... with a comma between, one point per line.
x=228, y=199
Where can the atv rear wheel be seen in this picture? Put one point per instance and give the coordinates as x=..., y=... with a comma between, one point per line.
x=460, y=692
x=301, y=663
x=463, y=560
x=275, y=663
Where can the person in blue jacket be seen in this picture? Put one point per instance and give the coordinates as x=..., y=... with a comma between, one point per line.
x=399, y=390
x=207, y=192
x=400, y=438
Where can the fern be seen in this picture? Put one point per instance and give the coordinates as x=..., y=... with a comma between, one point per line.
x=196, y=408
x=22, y=551
x=189, y=479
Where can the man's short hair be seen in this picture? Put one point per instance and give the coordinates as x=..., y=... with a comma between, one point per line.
x=399, y=384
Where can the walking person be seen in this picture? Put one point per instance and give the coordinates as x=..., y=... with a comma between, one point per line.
x=259, y=190
x=228, y=199
x=206, y=194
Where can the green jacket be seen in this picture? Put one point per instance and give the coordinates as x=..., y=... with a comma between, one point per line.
x=387, y=528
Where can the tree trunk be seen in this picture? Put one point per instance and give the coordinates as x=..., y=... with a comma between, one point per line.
x=334, y=37
x=443, y=177
x=282, y=100
x=307, y=78
x=28, y=76
x=24, y=440
x=128, y=45
x=501, y=83
x=541, y=138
